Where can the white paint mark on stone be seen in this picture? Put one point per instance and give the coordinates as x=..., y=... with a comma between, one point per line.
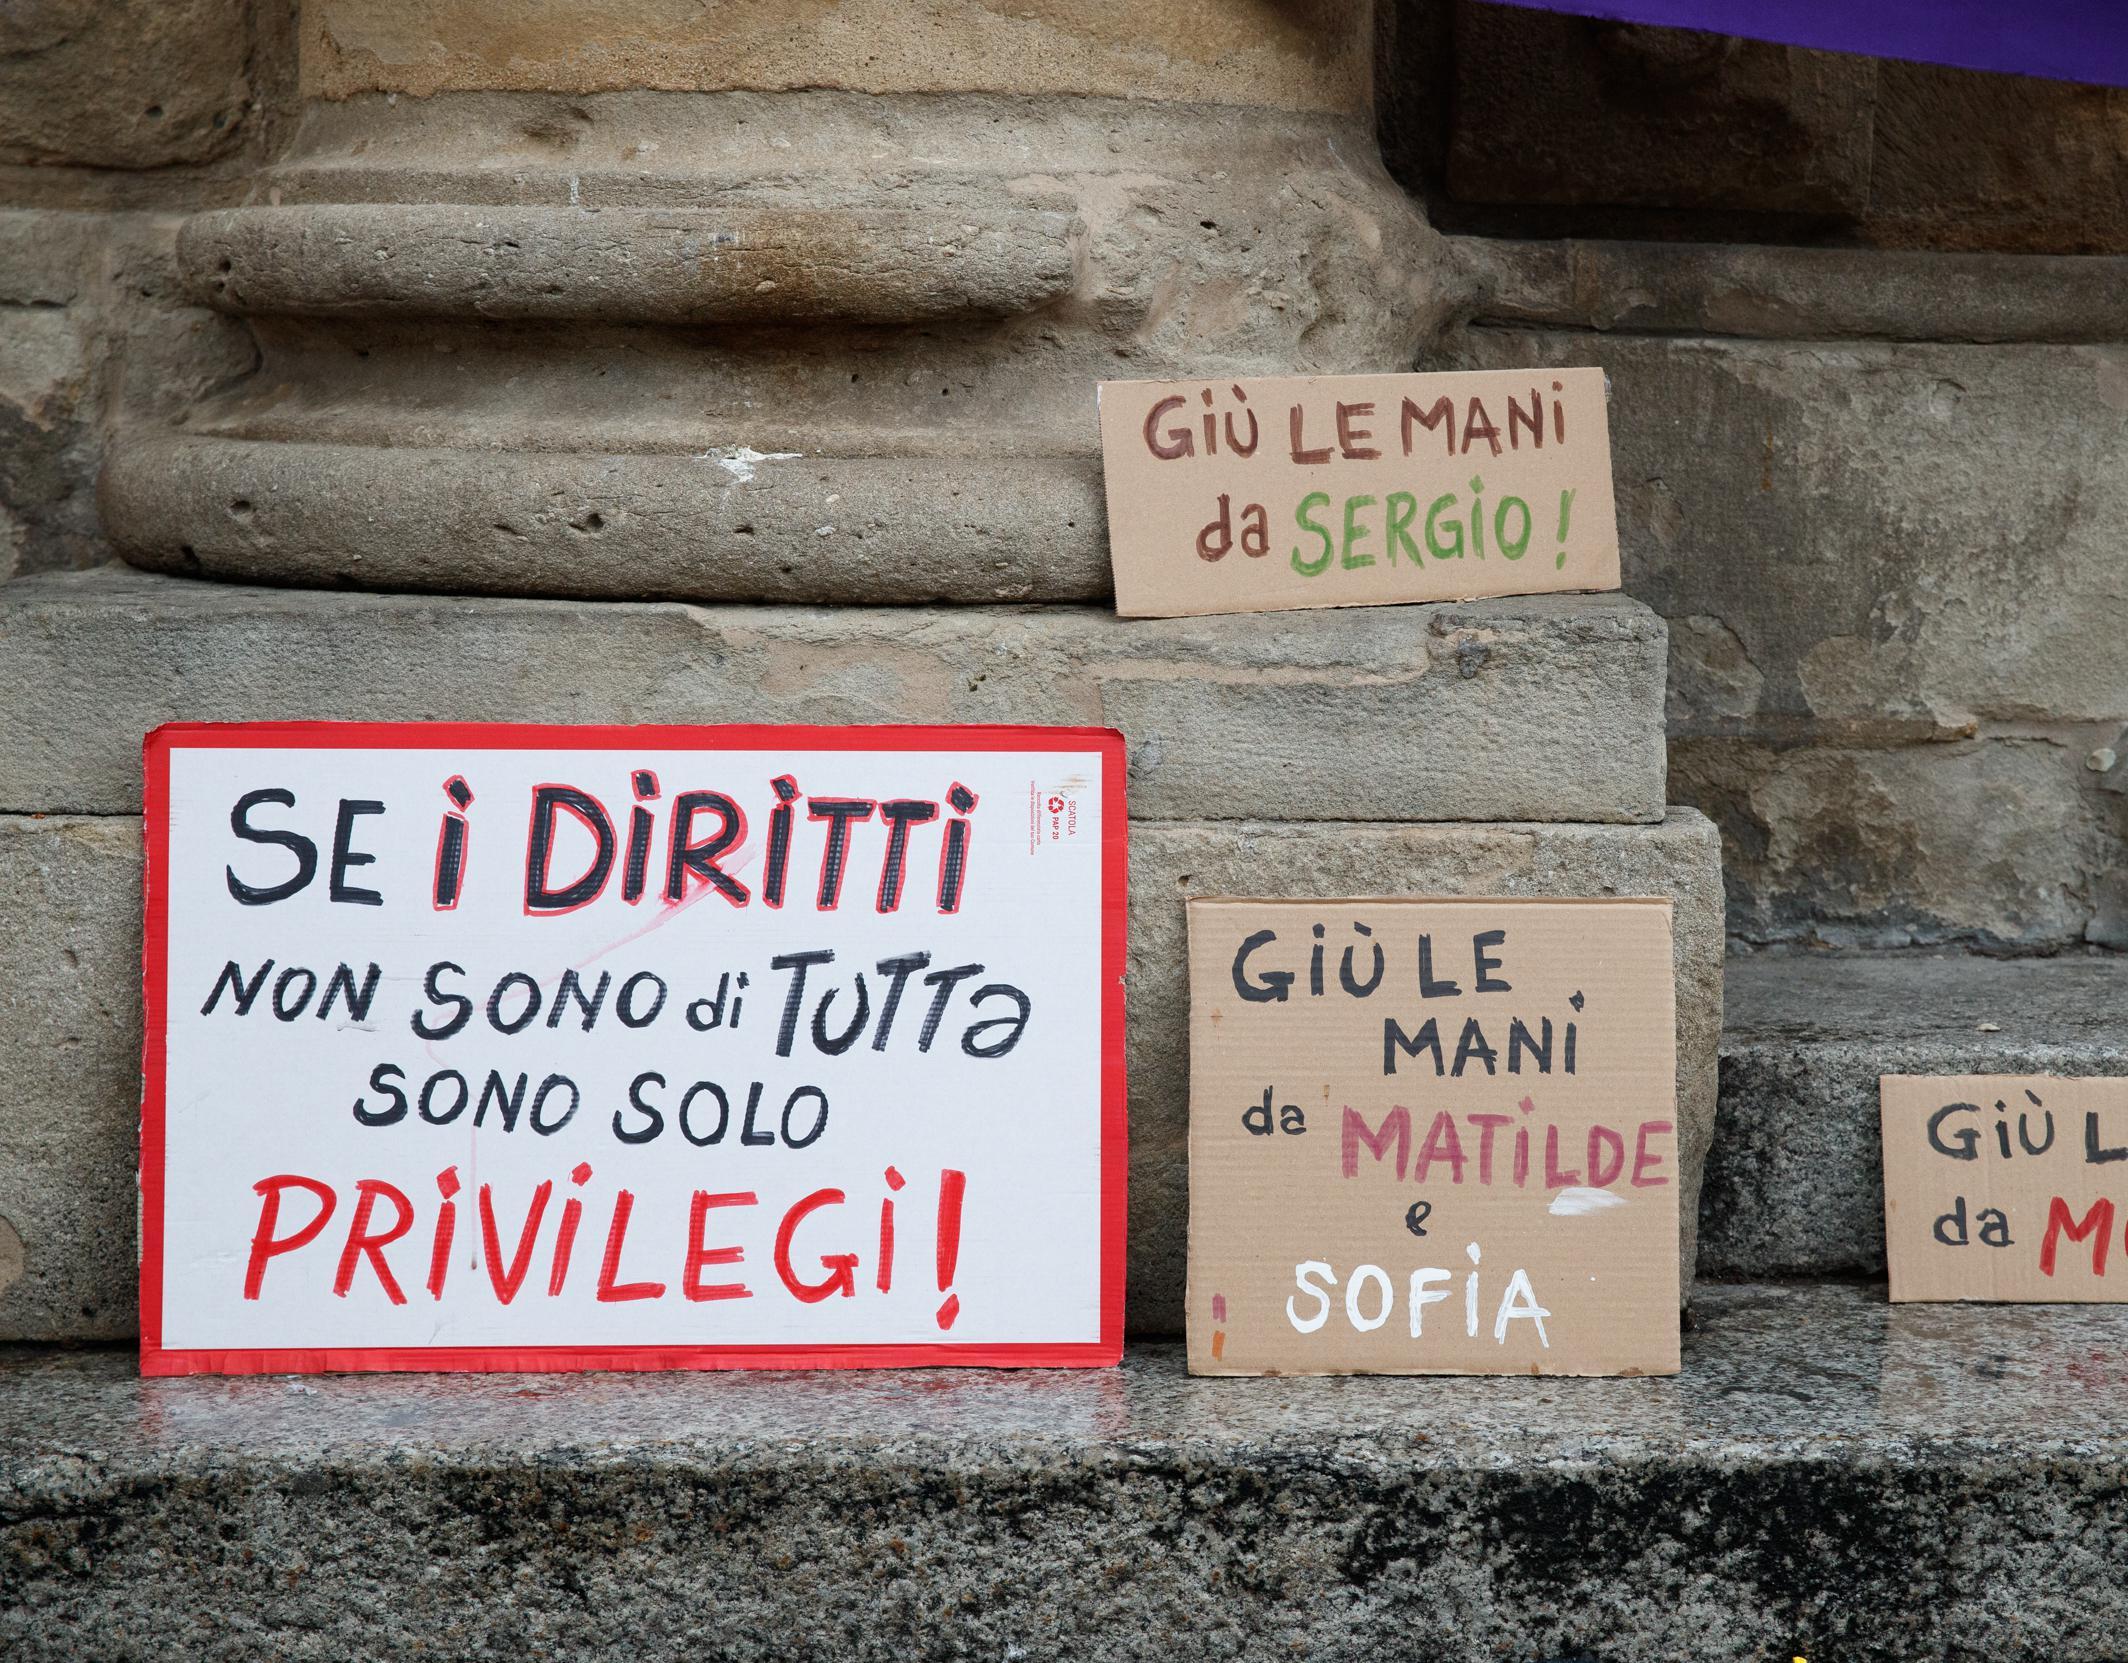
x=740, y=461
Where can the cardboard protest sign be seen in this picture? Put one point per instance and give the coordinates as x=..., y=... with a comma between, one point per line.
x=2005, y=1187
x=497, y=1047
x=1356, y=490
x=1432, y=1137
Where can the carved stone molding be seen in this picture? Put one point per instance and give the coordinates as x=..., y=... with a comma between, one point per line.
x=818, y=343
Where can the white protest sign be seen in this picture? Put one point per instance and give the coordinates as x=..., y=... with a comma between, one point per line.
x=524, y=1047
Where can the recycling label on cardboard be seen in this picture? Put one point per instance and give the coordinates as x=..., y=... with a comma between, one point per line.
x=2005, y=1187
x=1432, y=1137
x=1356, y=490
x=550, y=1047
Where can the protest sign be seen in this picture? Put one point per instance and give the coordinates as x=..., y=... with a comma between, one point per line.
x=2005, y=1187
x=548, y=1047
x=1356, y=490
x=1432, y=1137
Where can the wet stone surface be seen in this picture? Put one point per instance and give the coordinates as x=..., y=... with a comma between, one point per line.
x=1828, y=1475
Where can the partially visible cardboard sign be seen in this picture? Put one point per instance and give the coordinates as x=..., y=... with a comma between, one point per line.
x=1432, y=1137
x=2005, y=1187
x=517, y=1047
x=1356, y=490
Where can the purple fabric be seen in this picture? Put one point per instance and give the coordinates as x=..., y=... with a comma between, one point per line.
x=2065, y=40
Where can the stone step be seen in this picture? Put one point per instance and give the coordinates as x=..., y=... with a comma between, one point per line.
x=1544, y=708
x=70, y=1042
x=1794, y=1185
x=1829, y=1478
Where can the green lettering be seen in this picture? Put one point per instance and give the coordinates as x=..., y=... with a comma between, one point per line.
x=1403, y=507
x=1314, y=500
x=1354, y=533
x=1511, y=547
x=1452, y=549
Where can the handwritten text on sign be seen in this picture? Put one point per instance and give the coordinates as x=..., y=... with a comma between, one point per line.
x=2005, y=1187
x=1432, y=1137
x=1263, y=495
x=511, y=1047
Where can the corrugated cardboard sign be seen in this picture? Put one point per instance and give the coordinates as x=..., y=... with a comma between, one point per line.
x=1432, y=1136
x=2005, y=1187
x=1356, y=490
x=513, y=1047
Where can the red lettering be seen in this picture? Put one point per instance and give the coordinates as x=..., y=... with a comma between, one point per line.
x=446, y=1228
x=1180, y=441
x=841, y=1277
x=363, y=1243
x=611, y=1292
x=1554, y=1179
x=1300, y=453
x=1643, y=1161
x=1441, y=1144
x=1396, y=1122
x=1477, y=424
x=1603, y=1175
x=565, y=1235
x=264, y=1243
x=507, y=1282
x=1487, y=1124
x=691, y=1283
x=1351, y=439
x=2097, y=1223
x=1441, y=414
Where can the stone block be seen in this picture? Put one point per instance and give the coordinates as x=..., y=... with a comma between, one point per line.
x=1894, y=532
x=1795, y=1185
x=131, y=84
x=48, y=387
x=1574, y=111
x=2011, y=162
x=70, y=1060
x=1309, y=55
x=90, y=321
x=69, y=923
x=1887, y=845
x=1170, y=863
x=1767, y=292
x=1538, y=708
x=1892, y=579
x=1828, y=1478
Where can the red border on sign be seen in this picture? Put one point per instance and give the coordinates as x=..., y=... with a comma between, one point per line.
x=155, y=1359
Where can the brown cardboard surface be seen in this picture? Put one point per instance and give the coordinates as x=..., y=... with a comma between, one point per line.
x=1346, y=496
x=1355, y=1156
x=2005, y=1187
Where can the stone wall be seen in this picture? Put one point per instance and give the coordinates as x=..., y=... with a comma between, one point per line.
x=1529, y=123
x=1865, y=323
x=517, y=372
x=117, y=117
x=257, y=269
